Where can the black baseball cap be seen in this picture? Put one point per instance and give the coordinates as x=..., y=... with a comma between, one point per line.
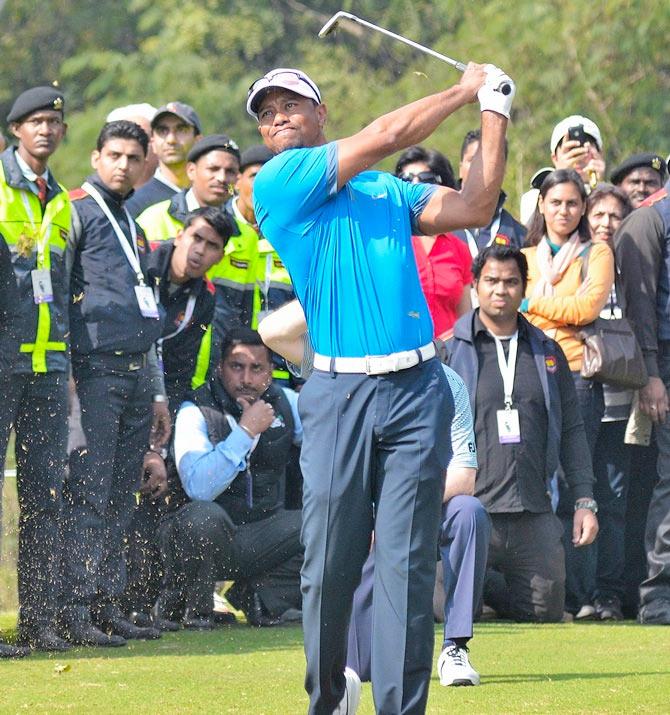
x=185, y=112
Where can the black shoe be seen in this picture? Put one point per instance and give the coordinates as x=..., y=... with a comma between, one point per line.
x=85, y=633
x=257, y=615
x=608, y=608
x=224, y=618
x=197, y=621
x=144, y=620
x=13, y=651
x=42, y=638
x=169, y=606
x=129, y=631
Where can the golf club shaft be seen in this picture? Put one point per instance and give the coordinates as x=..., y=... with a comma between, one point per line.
x=504, y=88
x=422, y=48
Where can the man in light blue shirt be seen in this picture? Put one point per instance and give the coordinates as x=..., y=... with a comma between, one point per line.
x=373, y=412
x=233, y=439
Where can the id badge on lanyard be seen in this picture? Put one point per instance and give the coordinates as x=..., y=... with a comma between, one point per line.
x=41, y=277
x=509, y=430
x=146, y=300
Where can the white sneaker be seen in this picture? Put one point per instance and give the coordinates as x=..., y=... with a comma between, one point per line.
x=454, y=667
x=352, y=693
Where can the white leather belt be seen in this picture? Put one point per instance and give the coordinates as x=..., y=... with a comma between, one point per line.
x=375, y=364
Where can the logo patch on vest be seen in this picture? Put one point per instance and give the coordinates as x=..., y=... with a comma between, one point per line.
x=141, y=243
x=502, y=240
x=551, y=363
x=278, y=422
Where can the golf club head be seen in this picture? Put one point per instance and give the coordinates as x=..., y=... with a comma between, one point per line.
x=332, y=24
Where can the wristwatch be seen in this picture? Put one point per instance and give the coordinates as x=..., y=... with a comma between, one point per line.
x=586, y=503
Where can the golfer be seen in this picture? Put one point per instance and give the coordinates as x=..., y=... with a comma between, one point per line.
x=376, y=442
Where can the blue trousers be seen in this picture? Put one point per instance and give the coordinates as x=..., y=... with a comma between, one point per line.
x=580, y=562
x=611, y=466
x=374, y=454
x=464, y=545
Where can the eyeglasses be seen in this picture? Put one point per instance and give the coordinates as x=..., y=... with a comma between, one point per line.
x=288, y=77
x=422, y=177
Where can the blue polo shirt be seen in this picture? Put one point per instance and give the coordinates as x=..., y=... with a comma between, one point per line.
x=349, y=252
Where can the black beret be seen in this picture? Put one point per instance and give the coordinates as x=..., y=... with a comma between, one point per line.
x=35, y=99
x=257, y=154
x=211, y=142
x=648, y=159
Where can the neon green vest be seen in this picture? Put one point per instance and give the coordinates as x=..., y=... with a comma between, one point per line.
x=157, y=223
x=44, y=327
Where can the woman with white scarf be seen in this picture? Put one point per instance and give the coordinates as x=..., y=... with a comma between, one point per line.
x=569, y=283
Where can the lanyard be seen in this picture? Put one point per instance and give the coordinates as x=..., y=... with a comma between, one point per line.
x=507, y=367
x=188, y=314
x=265, y=286
x=133, y=254
x=43, y=232
x=472, y=243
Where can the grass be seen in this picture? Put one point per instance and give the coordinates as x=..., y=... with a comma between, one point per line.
x=537, y=669
x=566, y=668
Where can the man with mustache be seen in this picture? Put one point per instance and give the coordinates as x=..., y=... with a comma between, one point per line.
x=233, y=439
x=114, y=321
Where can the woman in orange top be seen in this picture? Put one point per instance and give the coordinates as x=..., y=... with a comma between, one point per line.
x=569, y=283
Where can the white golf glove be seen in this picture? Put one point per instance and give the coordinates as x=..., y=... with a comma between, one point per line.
x=491, y=97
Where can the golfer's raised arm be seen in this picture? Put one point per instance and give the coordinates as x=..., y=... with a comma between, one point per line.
x=448, y=210
x=410, y=124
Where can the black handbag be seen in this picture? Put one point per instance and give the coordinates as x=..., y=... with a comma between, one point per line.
x=611, y=352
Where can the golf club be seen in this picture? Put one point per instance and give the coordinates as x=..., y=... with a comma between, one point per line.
x=334, y=21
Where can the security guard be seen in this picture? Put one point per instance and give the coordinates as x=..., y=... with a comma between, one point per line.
x=271, y=282
x=640, y=176
x=177, y=267
x=35, y=220
x=115, y=321
x=213, y=168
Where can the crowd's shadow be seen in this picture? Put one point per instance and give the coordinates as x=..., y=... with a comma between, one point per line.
x=226, y=640
x=495, y=679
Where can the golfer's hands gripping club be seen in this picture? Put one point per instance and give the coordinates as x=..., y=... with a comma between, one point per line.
x=497, y=92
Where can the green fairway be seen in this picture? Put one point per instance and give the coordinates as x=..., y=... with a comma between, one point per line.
x=563, y=668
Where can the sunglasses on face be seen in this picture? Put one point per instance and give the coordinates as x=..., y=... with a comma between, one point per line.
x=422, y=177
x=287, y=77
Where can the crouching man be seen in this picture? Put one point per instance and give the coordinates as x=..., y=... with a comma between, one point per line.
x=232, y=443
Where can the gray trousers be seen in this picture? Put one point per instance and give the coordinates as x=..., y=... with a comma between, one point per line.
x=464, y=542
x=657, y=536
x=525, y=580
x=374, y=453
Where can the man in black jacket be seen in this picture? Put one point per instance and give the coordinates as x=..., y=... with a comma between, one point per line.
x=232, y=444
x=114, y=322
x=177, y=267
x=526, y=419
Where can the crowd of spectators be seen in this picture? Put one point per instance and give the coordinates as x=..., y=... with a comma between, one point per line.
x=130, y=305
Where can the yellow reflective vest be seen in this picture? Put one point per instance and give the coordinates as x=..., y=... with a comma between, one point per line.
x=36, y=241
